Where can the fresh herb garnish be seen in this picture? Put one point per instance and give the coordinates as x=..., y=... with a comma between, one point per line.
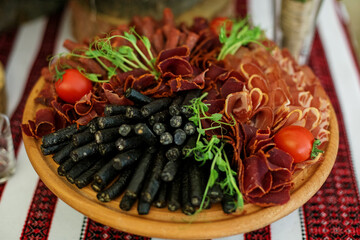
x=58, y=74
x=213, y=150
x=240, y=35
x=315, y=150
x=125, y=58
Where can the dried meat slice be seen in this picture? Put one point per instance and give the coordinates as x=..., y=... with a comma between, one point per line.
x=256, y=178
x=263, y=117
x=182, y=52
x=231, y=85
x=44, y=123
x=238, y=105
x=273, y=197
x=63, y=110
x=182, y=84
x=175, y=66
x=83, y=120
x=84, y=105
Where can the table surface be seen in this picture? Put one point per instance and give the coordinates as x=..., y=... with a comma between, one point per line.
x=30, y=211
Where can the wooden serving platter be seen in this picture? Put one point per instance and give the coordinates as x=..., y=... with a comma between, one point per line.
x=161, y=223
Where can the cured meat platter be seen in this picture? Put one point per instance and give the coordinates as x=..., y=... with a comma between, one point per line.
x=212, y=223
x=190, y=124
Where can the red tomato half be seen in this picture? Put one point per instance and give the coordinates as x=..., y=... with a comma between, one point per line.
x=218, y=22
x=295, y=140
x=73, y=86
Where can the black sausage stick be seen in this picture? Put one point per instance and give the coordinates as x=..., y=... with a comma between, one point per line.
x=166, y=138
x=80, y=167
x=228, y=204
x=173, y=153
x=107, y=148
x=153, y=182
x=196, y=185
x=189, y=128
x=174, y=193
x=125, y=159
x=137, y=97
x=112, y=109
x=52, y=149
x=155, y=106
x=63, y=154
x=116, y=188
x=125, y=130
x=176, y=121
x=111, y=121
x=160, y=199
x=65, y=167
x=82, y=138
x=215, y=193
x=148, y=136
x=97, y=187
x=107, y=135
x=175, y=106
x=162, y=116
x=138, y=177
x=170, y=170
x=127, y=202
x=106, y=174
x=171, y=167
x=88, y=176
x=61, y=135
x=129, y=143
x=187, y=101
x=159, y=128
x=179, y=137
x=84, y=151
x=143, y=207
x=186, y=206
x=93, y=125
x=133, y=113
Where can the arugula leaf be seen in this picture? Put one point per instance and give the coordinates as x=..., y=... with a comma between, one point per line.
x=240, y=35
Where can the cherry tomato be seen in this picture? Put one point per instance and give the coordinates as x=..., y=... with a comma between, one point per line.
x=73, y=86
x=218, y=22
x=295, y=140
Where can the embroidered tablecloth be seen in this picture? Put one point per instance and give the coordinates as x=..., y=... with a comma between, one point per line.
x=29, y=210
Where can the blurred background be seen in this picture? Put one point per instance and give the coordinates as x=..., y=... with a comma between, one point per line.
x=90, y=17
x=93, y=16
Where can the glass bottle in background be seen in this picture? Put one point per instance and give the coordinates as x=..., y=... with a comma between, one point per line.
x=7, y=155
x=295, y=23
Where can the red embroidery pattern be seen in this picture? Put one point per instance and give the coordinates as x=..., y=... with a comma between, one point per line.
x=95, y=231
x=41, y=210
x=260, y=234
x=38, y=221
x=333, y=213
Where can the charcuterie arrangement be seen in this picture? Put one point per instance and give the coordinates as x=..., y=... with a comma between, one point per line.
x=183, y=117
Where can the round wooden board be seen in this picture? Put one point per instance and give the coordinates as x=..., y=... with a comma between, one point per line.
x=161, y=223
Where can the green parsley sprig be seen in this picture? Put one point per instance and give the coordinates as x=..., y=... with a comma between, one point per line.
x=315, y=150
x=240, y=35
x=213, y=150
